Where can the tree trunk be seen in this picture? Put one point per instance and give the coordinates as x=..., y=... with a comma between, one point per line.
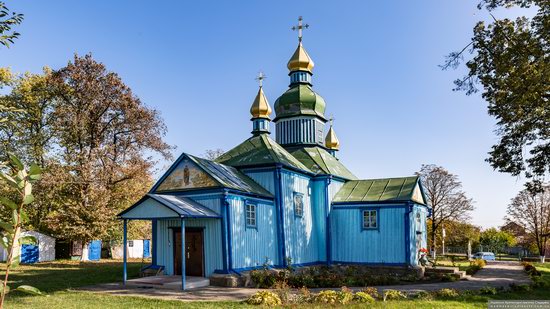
x=433, y=249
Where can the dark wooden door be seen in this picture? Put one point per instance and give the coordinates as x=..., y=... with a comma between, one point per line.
x=194, y=253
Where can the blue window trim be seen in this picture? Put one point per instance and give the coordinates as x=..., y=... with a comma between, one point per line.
x=246, y=204
x=361, y=212
x=294, y=194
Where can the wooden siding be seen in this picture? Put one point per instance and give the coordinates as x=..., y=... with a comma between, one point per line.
x=301, y=239
x=384, y=245
x=251, y=246
x=263, y=178
x=414, y=227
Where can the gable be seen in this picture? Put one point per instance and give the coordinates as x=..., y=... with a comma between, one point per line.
x=418, y=196
x=150, y=209
x=186, y=175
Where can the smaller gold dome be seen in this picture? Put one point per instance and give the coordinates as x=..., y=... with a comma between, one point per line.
x=331, y=141
x=260, y=107
x=300, y=60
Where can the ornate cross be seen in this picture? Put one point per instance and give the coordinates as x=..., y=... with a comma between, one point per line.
x=260, y=78
x=299, y=28
x=331, y=119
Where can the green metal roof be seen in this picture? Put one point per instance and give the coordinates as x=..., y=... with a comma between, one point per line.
x=381, y=190
x=260, y=150
x=319, y=161
x=299, y=100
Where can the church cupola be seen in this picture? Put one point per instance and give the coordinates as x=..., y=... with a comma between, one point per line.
x=300, y=111
x=260, y=110
x=331, y=141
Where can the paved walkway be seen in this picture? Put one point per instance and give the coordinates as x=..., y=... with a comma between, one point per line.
x=495, y=274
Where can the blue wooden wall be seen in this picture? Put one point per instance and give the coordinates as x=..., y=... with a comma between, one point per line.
x=384, y=245
x=250, y=247
x=266, y=178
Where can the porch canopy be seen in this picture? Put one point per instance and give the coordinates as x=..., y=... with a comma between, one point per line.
x=164, y=206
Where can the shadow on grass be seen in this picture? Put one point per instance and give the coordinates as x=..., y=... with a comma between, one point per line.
x=56, y=276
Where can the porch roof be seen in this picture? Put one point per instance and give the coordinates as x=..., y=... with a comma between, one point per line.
x=163, y=206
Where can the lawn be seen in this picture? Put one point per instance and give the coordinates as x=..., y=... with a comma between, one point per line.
x=57, y=279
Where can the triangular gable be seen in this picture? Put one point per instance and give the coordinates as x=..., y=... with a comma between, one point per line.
x=184, y=174
x=148, y=208
x=419, y=195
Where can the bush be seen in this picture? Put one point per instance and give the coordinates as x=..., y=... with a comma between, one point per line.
x=372, y=291
x=448, y=278
x=345, y=296
x=487, y=290
x=362, y=297
x=327, y=297
x=263, y=278
x=447, y=293
x=422, y=295
x=265, y=298
x=393, y=295
x=520, y=287
x=475, y=266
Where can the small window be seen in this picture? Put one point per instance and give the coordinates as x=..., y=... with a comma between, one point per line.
x=130, y=243
x=250, y=215
x=369, y=219
x=298, y=204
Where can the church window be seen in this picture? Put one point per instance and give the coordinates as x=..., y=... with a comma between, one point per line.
x=250, y=215
x=298, y=204
x=370, y=219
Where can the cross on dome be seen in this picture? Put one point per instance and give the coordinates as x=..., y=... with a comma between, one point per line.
x=261, y=76
x=299, y=28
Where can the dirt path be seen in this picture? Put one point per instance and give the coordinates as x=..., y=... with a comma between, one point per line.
x=495, y=274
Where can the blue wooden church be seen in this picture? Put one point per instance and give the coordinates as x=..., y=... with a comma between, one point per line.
x=279, y=201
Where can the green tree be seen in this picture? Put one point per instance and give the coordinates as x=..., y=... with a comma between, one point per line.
x=19, y=179
x=510, y=59
x=496, y=241
x=7, y=21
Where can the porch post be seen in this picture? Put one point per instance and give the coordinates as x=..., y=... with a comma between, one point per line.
x=182, y=254
x=124, y=257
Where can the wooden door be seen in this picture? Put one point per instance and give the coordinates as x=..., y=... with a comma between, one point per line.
x=194, y=253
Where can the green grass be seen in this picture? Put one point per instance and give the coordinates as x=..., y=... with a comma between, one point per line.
x=58, y=278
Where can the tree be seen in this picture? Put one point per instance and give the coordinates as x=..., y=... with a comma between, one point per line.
x=19, y=178
x=7, y=21
x=445, y=196
x=213, y=154
x=511, y=61
x=496, y=241
x=531, y=211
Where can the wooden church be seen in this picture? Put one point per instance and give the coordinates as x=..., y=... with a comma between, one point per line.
x=279, y=201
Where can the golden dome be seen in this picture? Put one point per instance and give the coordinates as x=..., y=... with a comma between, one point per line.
x=260, y=107
x=331, y=141
x=300, y=60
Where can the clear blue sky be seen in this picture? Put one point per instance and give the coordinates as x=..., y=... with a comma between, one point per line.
x=376, y=67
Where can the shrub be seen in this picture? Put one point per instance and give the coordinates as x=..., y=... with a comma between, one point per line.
x=362, y=297
x=327, y=297
x=487, y=290
x=448, y=278
x=345, y=296
x=538, y=282
x=265, y=298
x=305, y=296
x=372, y=291
x=447, y=293
x=282, y=290
x=393, y=295
x=520, y=287
x=263, y=278
x=475, y=266
x=422, y=295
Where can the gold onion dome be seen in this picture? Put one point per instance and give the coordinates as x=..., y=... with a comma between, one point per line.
x=331, y=141
x=300, y=60
x=260, y=107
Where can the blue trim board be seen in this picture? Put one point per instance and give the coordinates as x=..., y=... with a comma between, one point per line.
x=124, y=254
x=183, y=274
x=239, y=197
x=408, y=233
x=154, y=240
x=370, y=264
x=280, y=216
x=388, y=203
x=225, y=205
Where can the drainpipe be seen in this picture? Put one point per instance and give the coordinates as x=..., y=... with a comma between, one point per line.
x=328, y=240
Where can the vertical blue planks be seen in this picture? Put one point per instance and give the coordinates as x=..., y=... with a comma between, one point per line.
x=384, y=245
x=250, y=247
